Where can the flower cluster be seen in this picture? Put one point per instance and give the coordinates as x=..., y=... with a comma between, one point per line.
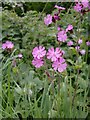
x=81, y=51
x=62, y=34
x=55, y=55
x=49, y=18
x=77, y=47
x=81, y=6
x=38, y=54
x=8, y=45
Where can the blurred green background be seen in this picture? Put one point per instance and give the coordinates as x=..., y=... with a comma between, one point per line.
x=23, y=7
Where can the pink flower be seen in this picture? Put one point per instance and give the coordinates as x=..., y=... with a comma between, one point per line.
x=78, y=7
x=70, y=43
x=62, y=36
x=20, y=56
x=59, y=8
x=54, y=54
x=7, y=45
x=48, y=19
x=37, y=62
x=85, y=3
x=82, y=52
x=55, y=17
x=88, y=43
x=80, y=41
x=59, y=65
x=39, y=52
x=77, y=48
x=69, y=28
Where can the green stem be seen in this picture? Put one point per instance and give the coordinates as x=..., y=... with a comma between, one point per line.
x=78, y=36
x=9, y=91
x=75, y=88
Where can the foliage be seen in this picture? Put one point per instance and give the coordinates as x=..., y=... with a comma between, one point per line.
x=30, y=93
